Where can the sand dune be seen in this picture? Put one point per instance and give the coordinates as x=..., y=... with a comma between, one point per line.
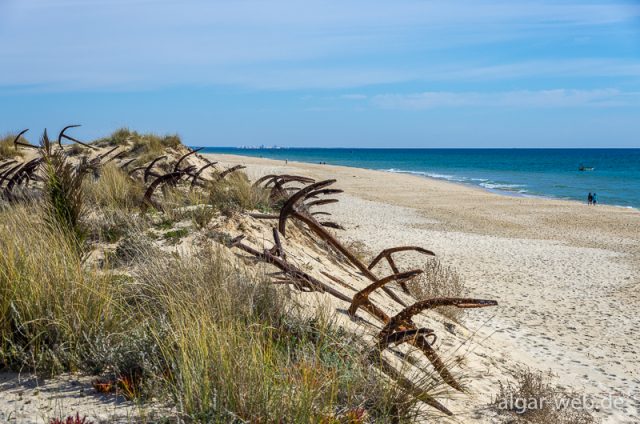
x=566, y=275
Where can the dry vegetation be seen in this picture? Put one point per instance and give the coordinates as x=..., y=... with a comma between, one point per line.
x=439, y=280
x=116, y=263
x=7, y=149
x=532, y=398
x=87, y=287
x=114, y=189
x=144, y=146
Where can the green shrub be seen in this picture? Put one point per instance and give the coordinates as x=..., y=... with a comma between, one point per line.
x=144, y=146
x=174, y=236
x=118, y=138
x=63, y=190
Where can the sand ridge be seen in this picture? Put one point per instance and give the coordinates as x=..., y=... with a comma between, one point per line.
x=566, y=274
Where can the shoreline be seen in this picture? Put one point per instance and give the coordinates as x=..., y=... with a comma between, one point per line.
x=504, y=193
x=423, y=174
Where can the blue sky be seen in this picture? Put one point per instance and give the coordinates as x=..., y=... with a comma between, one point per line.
x=330, y=73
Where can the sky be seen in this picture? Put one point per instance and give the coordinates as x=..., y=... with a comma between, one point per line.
x=331, y=73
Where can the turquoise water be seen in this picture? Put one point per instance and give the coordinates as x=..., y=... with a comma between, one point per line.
x=525, y=172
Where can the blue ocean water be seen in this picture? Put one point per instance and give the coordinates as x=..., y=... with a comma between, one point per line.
x=528, y=172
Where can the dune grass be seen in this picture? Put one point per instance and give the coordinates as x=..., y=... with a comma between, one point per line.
x=63, y=191
x=114, y=189
x=230, y=196
x=236, y=193
x=439, y=280
x=7, y=149
x=144, y=146
x=51, y=306
x=237, y=350
x=202, y=331
x=206, y=333
x=533, y=398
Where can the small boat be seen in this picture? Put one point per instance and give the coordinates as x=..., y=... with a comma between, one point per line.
x=585, y=168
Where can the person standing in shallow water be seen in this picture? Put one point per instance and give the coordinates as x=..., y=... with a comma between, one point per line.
x=594, y=199
x=590, y=198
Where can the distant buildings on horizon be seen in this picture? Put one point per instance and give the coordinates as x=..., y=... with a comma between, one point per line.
x=261, y=147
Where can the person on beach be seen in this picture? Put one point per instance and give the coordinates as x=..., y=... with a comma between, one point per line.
x=590, y=198
x=594, y=199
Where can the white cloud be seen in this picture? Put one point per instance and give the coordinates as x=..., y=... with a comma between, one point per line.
x=559, y=98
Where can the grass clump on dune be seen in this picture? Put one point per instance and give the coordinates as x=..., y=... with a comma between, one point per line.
x=532, y=398
x=439, y=280
x=7, y=149
x=235, y=193
x=50, y=305
x=63, y=190
x=145, y=146
x=114, y=189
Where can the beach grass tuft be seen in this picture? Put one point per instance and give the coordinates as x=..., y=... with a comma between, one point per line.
x=7, y=149
x=52, y=307
x=439, y=280
x=533, y=398
x=114, y=189
x=235, y=193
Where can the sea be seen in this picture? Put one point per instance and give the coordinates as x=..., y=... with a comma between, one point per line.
x=614, y=174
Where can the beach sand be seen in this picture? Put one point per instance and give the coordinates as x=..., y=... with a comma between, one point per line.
x=566, y=275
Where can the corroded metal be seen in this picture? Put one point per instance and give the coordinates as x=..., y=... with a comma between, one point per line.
x=147, y=171
x=170, y=178
x=226, y=172
x=62, y=135
x=22, y=173
x=388, y=255
x=197, y=174
x=3, y=165
x=290, y=270
x=8, y=172
x=17, y=142
x=125, y=164
x=107, y=153
x=176, y=167
x=320, y=202
x=323, y=192
x=362, y=296
x=331, y=224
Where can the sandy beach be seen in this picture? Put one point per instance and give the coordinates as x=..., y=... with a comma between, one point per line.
x=566, y=275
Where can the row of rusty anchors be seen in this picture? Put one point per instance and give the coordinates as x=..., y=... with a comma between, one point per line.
x=397, y=329
x=308, y=198
x=86, y=163
x=277, y=184
x=19, y=142
x=177, y=174
x=16, y=173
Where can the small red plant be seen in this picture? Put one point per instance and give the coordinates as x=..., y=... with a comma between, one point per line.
x=71, y=419
x=104, y=386
x=128, y=386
